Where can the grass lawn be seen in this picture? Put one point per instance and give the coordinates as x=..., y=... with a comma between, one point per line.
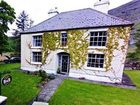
x=135, y=76
x=23, y=87
x=73, y=92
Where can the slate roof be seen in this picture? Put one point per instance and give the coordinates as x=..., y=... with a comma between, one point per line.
x=78, y=19
x=129, y=11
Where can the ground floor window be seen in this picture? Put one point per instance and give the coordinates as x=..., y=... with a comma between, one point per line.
x=95, y=60
x=37, y=56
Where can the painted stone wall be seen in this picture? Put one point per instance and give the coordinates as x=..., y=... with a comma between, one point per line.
x=78, y=48
x=115, y=54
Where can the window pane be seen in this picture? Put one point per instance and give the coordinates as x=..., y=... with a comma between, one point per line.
x=91, y=43
x=95, y=38
x=95, y=43
x=91, y=39
x=102, y=56
x=101, y=61
x=100, y=38
x=104, y=38
x=99, y=43
x=96, y=34
x=92, y=34
x=103, y=43
x=100, y=33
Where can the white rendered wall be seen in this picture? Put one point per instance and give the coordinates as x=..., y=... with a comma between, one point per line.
x=26, y=56
x=113, y=75
x=51, y=66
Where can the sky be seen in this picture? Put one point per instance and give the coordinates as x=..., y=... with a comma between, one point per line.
x=38, y=9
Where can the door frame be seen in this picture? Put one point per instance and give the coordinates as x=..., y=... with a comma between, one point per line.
x=60, y=63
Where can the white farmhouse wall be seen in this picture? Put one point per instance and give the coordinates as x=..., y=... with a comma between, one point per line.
x=114, y=75
x=26, y=53
x=51, y=64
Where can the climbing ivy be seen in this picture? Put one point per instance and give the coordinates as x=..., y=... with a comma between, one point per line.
x=115, y=34
x=113, y=43
x=50, y=42
x=77, y=45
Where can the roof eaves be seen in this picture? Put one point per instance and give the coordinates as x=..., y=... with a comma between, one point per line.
x=78, y=28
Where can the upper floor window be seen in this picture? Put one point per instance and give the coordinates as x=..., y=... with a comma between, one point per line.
x=95, y=60
x=37, y=41
x=63, y=39
x=37, y=56
x=98, y=38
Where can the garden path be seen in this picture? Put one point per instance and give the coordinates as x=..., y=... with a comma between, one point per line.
x=49, y=88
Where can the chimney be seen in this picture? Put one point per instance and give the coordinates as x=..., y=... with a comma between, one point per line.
x=102, y=5
x=53, y=12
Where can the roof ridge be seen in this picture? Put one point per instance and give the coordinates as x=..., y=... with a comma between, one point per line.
x=75, y=10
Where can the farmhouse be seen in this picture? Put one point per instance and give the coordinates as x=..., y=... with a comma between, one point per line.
x=83, y=43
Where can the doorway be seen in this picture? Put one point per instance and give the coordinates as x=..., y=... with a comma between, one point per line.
x=64, y=63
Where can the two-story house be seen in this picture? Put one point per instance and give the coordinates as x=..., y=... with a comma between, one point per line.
x=82, y=43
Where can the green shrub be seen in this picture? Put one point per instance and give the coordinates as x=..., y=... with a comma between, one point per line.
x=43, y=75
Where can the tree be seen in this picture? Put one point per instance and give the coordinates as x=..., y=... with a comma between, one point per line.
x=7, y=15
x=137, y=39
x=23, y=22
x=135, y=54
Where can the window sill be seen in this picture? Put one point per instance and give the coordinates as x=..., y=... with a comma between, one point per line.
x=95, y=69
x=97, y=47
x=36, y=47
x=36, y=63
x=63, y=46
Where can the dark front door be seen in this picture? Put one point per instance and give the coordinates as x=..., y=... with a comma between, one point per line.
x=64, y=63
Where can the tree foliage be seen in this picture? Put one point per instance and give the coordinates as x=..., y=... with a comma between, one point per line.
x=7, y=15
x=23, y=22
x=136, y=31
x=137, y=39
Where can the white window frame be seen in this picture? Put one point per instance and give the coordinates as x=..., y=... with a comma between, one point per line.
x=63, y=32
x=33, y=43
x=97, y=30
x=94, y=68
x=95, y=59
x=33, y=62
